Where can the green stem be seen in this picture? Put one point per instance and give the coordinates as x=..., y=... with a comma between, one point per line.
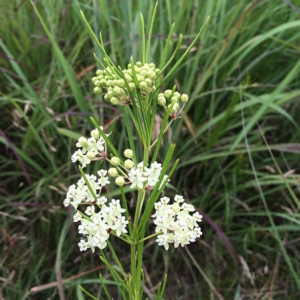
x=125, y=240
x=167, y=127
x=150, y=236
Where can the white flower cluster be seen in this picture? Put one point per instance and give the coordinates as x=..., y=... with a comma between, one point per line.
x=90, y=148
x=169, y=97
x=117, y=93
x=95, y=225
x=81, y=193
x=176, y=223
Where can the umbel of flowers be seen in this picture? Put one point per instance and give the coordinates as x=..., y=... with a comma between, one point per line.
x=98, y=217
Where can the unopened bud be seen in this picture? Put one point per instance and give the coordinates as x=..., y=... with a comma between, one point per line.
x=115, y=161
x=114, y=101
x=174, y=99
x=151, y=74
x=143, y=85
x=95, y=134
x=83, y=141
x=120, y=181
x=128, y=153
x=168, y=93
x=97, y=83
x=176, y=207
x=161, y=101
x=149, y=82
x=118, y=91
x=113, y=172
x=184, y=98
x=128, y=164
x=97, y=90
x=90, y=155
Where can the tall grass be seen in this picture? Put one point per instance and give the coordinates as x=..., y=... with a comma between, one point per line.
x=237, y=144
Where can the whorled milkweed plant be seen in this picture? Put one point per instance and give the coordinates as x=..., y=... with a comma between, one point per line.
x=138, y=90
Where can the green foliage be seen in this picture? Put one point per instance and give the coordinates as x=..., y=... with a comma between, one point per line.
x=243, y=84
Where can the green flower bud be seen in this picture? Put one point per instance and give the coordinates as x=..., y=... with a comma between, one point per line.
x=121, y=83
x=175, y=108
x=128, y=153
x=151, y=74
x=94, y=79
x=115, y=161
x=161, y=101
x=120, y=181
x=143, y=85
x=143, y=73
x=149, y=82
x=128, y=163
x=176, y=207
x=90, y=155
x=128, y=78
x=97, y=83
x=109, y=94
x=95, y=134
x=109, y=82
x=118, y=91
x=131, y=86
x=139, y=64
x=82, y=141
x=99, y=72
x=114, y=101
x=103, y=82
x=174, y=99
x=177, y=95
x=157, y=71
x=168, y=93
x=139, y=77
x=113, y=172
x=161, y=95
x=152, y=65
x=97, y=90
x=184, y=98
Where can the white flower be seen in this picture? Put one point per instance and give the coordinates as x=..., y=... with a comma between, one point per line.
x=77, y=217
x=90, y=210
x=102, y=200
x=165, y=240
x=83, y=245
x=137, y=179
x=120, y=226
x=82, y=143
x=153, y=173
x=115, y=208
x=79, y=156
x=103, y=178
x=95, y=145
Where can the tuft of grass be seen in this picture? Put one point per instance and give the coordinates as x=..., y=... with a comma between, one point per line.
x=238, y=144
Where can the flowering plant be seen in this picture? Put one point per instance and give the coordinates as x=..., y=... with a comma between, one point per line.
x=137, y=90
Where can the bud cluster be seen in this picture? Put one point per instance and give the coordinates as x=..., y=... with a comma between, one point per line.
x=176, y=223
x=116, y=88
x=170, y=97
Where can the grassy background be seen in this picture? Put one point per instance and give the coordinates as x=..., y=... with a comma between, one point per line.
x=237, y=144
